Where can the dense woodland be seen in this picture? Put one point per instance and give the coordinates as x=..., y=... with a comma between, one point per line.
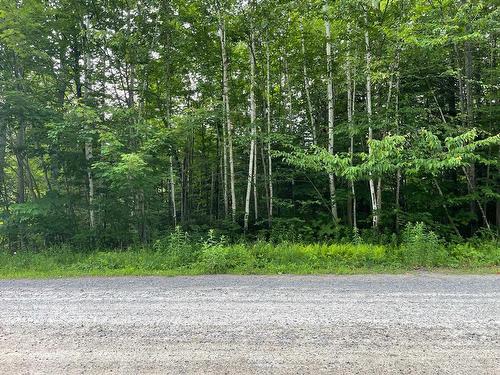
x=277, y=119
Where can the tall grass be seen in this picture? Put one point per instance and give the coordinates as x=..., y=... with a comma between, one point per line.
x=177, y=254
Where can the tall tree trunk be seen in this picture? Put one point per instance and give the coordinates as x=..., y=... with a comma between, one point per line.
x=331, y=176
x=265, y=175
x=268, y=117
x=398, y=172
x=253, y=131
x=225, y=166
x=288, y=90
x=227, y=113
x=461, y=96
x=88, y=140
x=471, y=170
x=20, y=145
x=168, y=105
x=351, y=202
x=373, y=194
x=306, y=88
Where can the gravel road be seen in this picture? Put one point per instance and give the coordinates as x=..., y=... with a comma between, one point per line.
x=417, y=324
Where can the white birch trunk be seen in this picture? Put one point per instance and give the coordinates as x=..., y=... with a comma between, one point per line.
x=373, y=194
x=227, y=111
x=268, y=113
x=331, y=176
x=306, y=88
x=253, y=132
x=350, y=113
x=88, y=140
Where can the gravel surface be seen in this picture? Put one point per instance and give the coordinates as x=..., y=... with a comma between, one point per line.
x=419, y=324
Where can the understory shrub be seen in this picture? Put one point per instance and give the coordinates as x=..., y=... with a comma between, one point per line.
x=421, y=246
x=468, y=255
x=178, y=247
x=219, y=257
x=178, y=254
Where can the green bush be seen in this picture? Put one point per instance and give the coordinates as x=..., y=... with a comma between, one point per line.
x=178, y=247
x=218, y=257
x=179, y=254
x=422, y=247
x=289, y=230
x=467, y=255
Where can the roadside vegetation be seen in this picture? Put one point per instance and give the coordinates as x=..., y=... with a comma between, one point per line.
x=292, y=128
x=181, y=254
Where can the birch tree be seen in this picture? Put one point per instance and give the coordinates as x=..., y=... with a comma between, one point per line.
x=227, y=115
x=331, y=115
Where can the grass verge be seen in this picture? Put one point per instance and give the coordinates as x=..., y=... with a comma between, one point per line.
x=177, y=256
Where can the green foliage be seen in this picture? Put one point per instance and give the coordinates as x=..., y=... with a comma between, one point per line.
x=218, y=257
x=178, y=246
x=290, y=230
x=113, y=130
x=422, y=247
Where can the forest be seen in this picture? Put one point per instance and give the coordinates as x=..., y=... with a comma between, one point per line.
x=133, y=122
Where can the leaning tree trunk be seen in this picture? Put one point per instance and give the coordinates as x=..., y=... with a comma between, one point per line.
x=253, y=131
x=331, y=176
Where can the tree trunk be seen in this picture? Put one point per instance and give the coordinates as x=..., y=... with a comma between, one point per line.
x=288, y=91
x=225, y=186
x=20, y=174
x=471, y=170
x=331, y=176
x=88, y=139
x=373, y=194
x=172, y=190
x=461, y=95
x=253, y=131
x=398, y=172
x=268, y=113
x=227, y=113
x=351, y=202
x=20, y=162
x=306, y=88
